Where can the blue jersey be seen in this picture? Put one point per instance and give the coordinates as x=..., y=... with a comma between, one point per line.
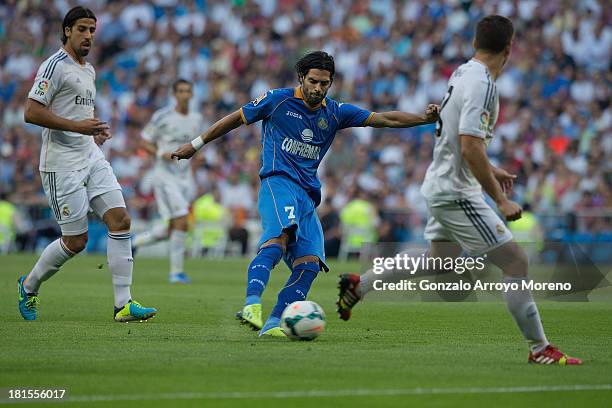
x=295, y=138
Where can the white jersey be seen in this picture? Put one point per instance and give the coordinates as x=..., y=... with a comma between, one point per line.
x=470, y=107
x=68, y=90
x=169, y=129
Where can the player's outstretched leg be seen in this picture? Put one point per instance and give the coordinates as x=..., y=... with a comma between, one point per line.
x=258, y=276
x=296, y=288
x=352, y=288
x=349, y=294
x=50, y=261
x=156, y=234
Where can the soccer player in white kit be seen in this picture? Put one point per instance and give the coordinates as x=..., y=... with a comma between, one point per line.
x=74, y=172
x=460, y=219
x=174, y=184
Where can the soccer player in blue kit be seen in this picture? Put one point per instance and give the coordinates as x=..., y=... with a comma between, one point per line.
x=299, y=126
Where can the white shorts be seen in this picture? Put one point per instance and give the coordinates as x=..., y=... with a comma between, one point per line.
x=173, y=198
x=70, y=193
x=471, y=223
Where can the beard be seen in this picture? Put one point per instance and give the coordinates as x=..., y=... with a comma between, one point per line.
x=313, y=99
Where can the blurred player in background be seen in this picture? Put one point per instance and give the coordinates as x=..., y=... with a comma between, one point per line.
x=299, y=126
x=74, y=172
x=460, y=219
x=174, y=184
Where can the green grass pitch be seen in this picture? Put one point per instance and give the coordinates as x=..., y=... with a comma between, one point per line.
x=195, y=354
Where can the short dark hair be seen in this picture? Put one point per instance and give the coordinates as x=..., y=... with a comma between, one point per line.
x=179, y=81
x=72, y=16
x=493, y=34
x=315, y=60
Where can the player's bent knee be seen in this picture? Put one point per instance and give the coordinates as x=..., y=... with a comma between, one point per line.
x=274, y=242
x=124, y=223
x=117, y=219
x=179, y=223
x=521, y=261
x=511, y=259
x=283, y=241
x=75, y=243
x=306, y=259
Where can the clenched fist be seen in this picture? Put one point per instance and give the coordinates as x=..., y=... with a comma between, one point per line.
x=432, y=113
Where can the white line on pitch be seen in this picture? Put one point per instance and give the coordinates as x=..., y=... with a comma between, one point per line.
x=331, y=393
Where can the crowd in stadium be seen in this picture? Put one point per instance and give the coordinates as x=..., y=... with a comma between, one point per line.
x=554, y=129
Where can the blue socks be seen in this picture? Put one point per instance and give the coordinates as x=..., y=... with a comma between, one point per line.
x=259, y=272
x=296, y=288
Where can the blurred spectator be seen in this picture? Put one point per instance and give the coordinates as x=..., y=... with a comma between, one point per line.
x=359, y=221
x=237, y=198
x=330, y=222
x=8, y=213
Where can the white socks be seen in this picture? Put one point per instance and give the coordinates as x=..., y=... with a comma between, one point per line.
x=120, y=263
x=525, y=312
x=158, y=233
x=50, y=261
x=177, y=251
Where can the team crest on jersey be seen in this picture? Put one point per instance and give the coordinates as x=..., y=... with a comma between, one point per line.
x=499, y=228
x=259, y=99
x=307, y=135
x=42, y=87
x=484, y=121
x=322, y=124
x=65, y=211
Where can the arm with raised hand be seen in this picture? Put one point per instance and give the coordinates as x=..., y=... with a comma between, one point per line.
x=396, y=119
x=218, y=129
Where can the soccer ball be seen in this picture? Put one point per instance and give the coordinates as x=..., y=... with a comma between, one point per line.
x=304, y=320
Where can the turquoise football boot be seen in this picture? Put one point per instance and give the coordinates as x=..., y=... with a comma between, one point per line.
x=28, y=302
x=181, y=278
x=134, y=311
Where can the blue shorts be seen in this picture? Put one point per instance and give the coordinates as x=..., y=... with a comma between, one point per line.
x=285, y=206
